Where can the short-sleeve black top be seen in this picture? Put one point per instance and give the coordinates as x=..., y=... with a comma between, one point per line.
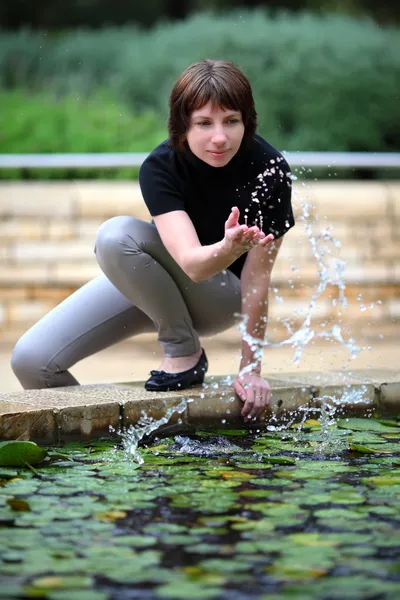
x=256, y=180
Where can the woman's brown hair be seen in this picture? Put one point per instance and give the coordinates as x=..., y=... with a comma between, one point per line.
x=218, y=81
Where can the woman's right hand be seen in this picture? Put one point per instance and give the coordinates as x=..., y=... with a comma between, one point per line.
x=239, y=239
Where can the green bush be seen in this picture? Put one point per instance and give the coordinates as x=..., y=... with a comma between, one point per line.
x=321, y=82
x=40, y=123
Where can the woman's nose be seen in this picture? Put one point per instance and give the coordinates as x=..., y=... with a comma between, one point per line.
x=219, y=136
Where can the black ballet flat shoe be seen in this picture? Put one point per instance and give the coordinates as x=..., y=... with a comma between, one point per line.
x=160, y=381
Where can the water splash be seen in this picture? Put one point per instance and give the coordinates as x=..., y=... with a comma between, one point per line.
x=331, y=272
x=216, y=445
x=134, y=434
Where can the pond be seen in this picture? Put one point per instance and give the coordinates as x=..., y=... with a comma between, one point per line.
x=303, y=512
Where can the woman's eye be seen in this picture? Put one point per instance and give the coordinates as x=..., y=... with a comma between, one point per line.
x=232, y=121
x=203, y=123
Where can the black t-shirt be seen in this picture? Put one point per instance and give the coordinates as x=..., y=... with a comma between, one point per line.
x=256, y=180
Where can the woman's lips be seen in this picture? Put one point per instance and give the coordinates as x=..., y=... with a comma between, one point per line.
x=218, y=154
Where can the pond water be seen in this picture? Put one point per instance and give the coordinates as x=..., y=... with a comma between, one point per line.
x=304, y=512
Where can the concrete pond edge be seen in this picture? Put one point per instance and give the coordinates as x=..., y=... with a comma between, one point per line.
x=78, y=413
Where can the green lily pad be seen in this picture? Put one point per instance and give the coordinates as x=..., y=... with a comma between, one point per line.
x=56, y=582
x=135, y=541
x=359, y=424
x=279, y=460
x=8, y=474
x=380, y=480
x=18, y=454
x=18, y=504
x=337, y=513
x=77, y=595
x=368, y=449
x=8, y=591
x=187, y=589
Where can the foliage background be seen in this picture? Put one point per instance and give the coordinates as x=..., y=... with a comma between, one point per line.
x=322, y=80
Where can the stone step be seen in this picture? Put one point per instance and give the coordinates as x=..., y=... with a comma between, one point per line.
x=55, y=416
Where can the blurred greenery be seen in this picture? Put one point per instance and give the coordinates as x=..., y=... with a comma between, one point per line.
x=58, y=14
x=41, y=123
x=321, y=82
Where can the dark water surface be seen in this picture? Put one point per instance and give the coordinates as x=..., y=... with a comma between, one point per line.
x=301, y=513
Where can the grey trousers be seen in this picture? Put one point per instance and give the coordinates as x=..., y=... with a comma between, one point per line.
x=142, y=289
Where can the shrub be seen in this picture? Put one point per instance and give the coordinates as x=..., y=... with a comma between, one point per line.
x=321, y=82
x=41, y=123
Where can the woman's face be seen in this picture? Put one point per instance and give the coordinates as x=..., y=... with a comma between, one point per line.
x=215, y=134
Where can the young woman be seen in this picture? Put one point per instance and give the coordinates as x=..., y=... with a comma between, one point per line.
x=220, y=198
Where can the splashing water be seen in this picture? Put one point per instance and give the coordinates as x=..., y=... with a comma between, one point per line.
x=133, y=435
x=329, y=274
x=216, y=445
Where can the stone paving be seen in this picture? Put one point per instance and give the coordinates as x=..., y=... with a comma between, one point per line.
x=55, y=416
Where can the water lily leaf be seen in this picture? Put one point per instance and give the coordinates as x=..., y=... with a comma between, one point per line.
x=67, y=582
x=386, y=511
x=10, y=590
x=251, y=465
x=337, y=513
x=279, y=460
x=8, y=474
x=136, y=541
x=368, y=449
x=289, y=571
x=364, y=437
x=224, y=565
x=17, y=454
x=77, y=595
x=379, y=480
x=312, y=423
x=180, y=540
x=111, y=515
x=18, y=504
x=391, y=436
x=359, y=424
x=187, y=589
x=316, y=540
x=254, y=525
x=256, y=493
x=389, y=422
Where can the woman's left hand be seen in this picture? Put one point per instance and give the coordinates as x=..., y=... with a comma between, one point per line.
x=255, y=392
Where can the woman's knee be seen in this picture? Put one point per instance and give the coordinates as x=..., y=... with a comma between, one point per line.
x=26, y=363
x=112, y=234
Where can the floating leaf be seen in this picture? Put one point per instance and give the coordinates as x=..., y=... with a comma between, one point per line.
x=390, y=422
x=17, y=454
x=77, y=595
x=368, y=449
x=18, y=505
x=187, y=589
x=279, y=460
x=111, y=515
x=137, y=541
x=382, y=480
x=8, y=474
x=359, y=424
x=337, y=513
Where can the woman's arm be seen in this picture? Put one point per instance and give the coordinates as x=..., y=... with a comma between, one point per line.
x=255, y=283
x=201, y=262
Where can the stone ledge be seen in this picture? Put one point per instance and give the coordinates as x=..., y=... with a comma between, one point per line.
x=55, y=416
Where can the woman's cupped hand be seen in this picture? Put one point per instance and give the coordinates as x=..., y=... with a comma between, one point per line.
x=239, y=239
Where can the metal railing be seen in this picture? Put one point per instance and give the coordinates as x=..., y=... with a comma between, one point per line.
x=360, y=160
